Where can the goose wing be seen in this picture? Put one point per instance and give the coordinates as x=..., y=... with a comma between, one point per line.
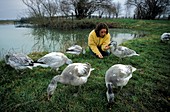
x=19, y=61
x=77, y=69
x=119, y=74
x=125, y=51
x=125, y=74
x=52, y=61
x=75, y=49
x=81, y=69
x=54, y=54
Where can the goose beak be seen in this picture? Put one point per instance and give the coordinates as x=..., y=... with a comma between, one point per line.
x=49, y=97
x=110, y=98
x=112, y=43
x=109, y=44
x=111, y=101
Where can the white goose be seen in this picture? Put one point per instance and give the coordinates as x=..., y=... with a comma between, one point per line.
x=121, y=51
x=19, y=61
x=165, y=37
x=117, y=75
x=53, y=60
x=75, y=49
x=74, y=74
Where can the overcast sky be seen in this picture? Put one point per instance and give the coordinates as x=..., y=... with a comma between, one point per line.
x=11, y=9
x=15, y=9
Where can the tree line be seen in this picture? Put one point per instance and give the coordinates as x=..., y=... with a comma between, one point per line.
x=80, y=8
x=150, y=9
x=45, y=12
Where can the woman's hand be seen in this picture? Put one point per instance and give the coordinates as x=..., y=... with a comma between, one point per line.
x=100, y=56
x=107, y=47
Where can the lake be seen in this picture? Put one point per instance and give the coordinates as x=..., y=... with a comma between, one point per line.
x=29, y=40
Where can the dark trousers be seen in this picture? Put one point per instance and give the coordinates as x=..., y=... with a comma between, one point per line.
x=104, y=53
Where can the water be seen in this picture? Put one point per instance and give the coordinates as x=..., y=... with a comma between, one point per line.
x=27, y=40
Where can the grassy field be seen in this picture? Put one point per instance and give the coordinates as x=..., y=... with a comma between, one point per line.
x=147, y=91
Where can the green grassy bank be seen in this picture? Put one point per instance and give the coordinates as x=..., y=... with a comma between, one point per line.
x=147, y=91
x=6, y=22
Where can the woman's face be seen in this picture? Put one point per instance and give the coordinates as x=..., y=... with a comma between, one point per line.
x=102, y=32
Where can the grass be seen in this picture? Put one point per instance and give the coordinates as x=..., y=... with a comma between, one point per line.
x=6, y=22
x=148, y=89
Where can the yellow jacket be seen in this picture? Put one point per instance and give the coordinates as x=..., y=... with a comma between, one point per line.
x=94, y=42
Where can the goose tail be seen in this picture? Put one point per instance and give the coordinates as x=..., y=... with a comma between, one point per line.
x=36, y=64
x=39, y=63
x=30, y=67
x=133, y=69
x=136, y=54
x=73, y=52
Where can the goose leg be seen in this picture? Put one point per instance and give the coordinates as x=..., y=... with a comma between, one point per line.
x=120, y=60
x=119, y=89
x=78, y=92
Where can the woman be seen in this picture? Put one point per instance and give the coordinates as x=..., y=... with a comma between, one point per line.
x=98, y=40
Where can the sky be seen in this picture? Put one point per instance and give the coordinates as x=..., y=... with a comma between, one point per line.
x=14, y=9
x=11, y=9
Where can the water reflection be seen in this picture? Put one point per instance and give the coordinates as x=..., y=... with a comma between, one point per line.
x=28, y=40
x=122, y=35
x=54, y=40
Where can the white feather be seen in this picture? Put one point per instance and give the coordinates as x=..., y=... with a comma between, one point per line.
x=74, y=74
x=54, y=60
x=19, y=61
x=122, y=51
x=75, y=49
x=117, y=75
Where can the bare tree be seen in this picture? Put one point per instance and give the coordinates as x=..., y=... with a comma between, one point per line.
x=65, y=7
x=39, y=10
x=84, y=8
x=127, y=10
x=34, y=8
x=80, y=8
x=148, y=9
x=106, y=8
x=112, y=11
x=118, y=9
x=50, y=7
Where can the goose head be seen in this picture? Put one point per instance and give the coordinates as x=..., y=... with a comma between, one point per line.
x=109, y=94
x=52, y=86
x=6, y=58
x=165, y=37
x=69, y=61
x=113, y=45
x=30, y=62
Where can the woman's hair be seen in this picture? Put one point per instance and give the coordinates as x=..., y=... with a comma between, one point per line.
x=99, y=27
